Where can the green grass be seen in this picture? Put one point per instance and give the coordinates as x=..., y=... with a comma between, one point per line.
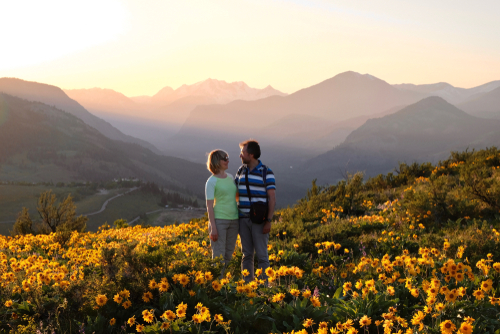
x=21, y=169
x=168, y=217
x=124, y=207
x=6, y=228
x=94, y=203
x=14, y=197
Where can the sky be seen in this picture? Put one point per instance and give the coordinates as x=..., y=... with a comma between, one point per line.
x=138, y=47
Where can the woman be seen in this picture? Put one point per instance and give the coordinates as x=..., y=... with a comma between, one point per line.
x=220, y=192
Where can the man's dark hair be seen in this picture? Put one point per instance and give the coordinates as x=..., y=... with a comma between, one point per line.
x=253, y=147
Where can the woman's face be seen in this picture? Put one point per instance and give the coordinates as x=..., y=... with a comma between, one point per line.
x=224, y=163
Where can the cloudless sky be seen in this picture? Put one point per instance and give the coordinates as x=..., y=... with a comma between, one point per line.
x=138, y=47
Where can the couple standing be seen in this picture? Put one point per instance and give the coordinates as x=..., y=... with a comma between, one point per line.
x=241, y=205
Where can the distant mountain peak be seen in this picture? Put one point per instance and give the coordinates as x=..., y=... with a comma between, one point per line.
x=432, y=105
x=217, y=82
x=165, y=90
x=432, y=101
x=430, y=109
x=220, y=91
x=352, y=78
x=356, y=75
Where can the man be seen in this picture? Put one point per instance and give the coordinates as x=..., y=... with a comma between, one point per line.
x=254, y=237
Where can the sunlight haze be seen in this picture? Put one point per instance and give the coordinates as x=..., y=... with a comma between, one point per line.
x=137, y=47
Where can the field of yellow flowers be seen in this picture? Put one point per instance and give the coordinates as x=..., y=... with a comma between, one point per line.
x=346, y=259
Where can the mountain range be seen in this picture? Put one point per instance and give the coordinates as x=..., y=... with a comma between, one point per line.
x=156, y=118
x=346, y=96
x=304, y=128
x=54, y=96
x=42, y=143
x=486, y=105
x=314, y=119
x=425, y=131
x=453, y=95
x=210, y=91
x=351, y=122
x=216, y=91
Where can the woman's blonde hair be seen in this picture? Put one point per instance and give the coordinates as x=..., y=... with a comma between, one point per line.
x=214, y=158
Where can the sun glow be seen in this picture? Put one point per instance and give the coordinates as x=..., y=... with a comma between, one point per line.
x=138, y=47
x=36, y=31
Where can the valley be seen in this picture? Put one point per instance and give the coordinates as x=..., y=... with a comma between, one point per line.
x=349, y=123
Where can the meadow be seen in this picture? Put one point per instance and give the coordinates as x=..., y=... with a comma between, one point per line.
x=13, y=197
x=415, y=251
x=127, y=207
x=174, y=216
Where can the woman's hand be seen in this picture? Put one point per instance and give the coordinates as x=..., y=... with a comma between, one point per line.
x=214, y=236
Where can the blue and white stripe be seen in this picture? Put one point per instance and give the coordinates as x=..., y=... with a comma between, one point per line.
x=258, y=189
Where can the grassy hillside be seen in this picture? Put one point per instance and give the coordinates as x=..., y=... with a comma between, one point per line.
x=410, y=252
x=455, y=199
x=127, y=207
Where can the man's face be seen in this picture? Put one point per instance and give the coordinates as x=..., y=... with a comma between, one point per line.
x=245, y=157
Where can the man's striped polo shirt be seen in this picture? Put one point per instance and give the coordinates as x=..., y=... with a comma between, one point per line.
x=258, y=189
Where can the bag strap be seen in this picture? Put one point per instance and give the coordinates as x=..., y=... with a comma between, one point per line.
x=264, y=175
x=248, y=186
x=240, y=170
x=264, y=179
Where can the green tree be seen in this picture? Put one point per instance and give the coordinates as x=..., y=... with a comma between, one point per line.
x=54, y=217
x=24, y=224
x=120, y=223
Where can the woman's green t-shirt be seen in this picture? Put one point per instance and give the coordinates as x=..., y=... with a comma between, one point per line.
x=223, y=192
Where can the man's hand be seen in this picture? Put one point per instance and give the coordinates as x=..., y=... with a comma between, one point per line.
x=267, y=228
x=214, y=236
x=271, y=194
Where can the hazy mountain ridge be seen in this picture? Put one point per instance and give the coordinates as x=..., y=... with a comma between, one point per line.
x=52, y=95
x=425, y=131
x=486, y=105
x=302, y=120
x=342, y=97
x=342, y=114
x=219, y=90
x=36, y=136
x=156, y=118
x=99, y=98
x=454, y=95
